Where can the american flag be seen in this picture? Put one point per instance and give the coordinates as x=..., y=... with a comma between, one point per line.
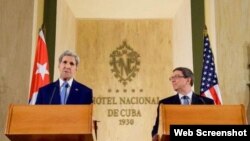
x=209, y=80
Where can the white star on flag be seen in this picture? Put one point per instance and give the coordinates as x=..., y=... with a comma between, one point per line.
x=42, y=69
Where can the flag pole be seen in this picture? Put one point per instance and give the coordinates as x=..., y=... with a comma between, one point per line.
x=43, y=28
x=205, y=31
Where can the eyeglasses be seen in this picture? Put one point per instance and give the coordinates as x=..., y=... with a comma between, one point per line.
x=175, y=77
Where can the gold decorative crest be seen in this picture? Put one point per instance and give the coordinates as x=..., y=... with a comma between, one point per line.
x=125, y=63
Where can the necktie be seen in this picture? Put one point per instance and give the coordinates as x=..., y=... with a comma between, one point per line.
x=185, y=100
x=64, y=92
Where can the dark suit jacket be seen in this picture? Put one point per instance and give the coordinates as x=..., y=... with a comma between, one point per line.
x=79, y=94
x=196, y=99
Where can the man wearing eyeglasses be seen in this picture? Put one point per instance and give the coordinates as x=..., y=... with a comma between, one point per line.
x=182, y=82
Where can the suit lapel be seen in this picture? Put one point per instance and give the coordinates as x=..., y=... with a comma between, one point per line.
x=73, y=91
x=176, y=99
x=56, y=98
x=195, y=99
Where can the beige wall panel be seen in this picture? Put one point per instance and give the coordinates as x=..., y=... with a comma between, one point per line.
x=125, y=9
x=182, y=39
x=152, y=40
x=65, y=32
x=16, y=21
x=233, y=43
x=210, y=14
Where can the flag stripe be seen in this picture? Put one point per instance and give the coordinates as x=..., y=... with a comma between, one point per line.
x=212, y=93
x=215, y=94
x=41, y=35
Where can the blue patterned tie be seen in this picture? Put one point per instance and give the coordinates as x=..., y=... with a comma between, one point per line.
x=185, y=100
x=64, y=92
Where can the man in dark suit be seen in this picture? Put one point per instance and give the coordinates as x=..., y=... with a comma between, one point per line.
x=65, y=90
x=182, y=82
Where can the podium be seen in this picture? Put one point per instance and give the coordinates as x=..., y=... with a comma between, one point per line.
x=49, y=123
x=199, y=115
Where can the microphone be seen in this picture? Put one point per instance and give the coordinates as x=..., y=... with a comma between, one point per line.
x=53, y=93
x=202, y=100
x=95, y=127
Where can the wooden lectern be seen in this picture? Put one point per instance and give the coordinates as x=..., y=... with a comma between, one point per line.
x=199, y=114
x=49, y=123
